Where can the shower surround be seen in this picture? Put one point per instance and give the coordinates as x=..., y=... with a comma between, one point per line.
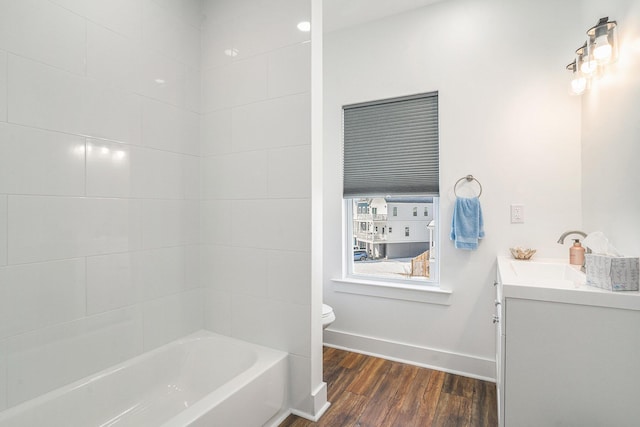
x=154, y=181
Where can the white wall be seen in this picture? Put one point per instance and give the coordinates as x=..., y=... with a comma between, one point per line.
x=256, y=179
x=505, y=117
x=611, y=134
x=98, y=185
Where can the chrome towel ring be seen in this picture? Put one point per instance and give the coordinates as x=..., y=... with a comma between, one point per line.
x=467, y=178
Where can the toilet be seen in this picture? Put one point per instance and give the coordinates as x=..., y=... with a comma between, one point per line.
x=327, y=316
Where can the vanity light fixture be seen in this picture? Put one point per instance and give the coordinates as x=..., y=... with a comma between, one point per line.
x=603, y=40
x=599, y=50
x=578, y=82
x=586, y=63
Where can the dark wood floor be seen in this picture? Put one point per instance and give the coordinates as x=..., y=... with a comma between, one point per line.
x=366, y=391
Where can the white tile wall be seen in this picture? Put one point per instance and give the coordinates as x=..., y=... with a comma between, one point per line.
x=289, y=172
x=43, y=31
x=108, y=171
x=290, y=70
x=218, y=311
x=105, y=199
x=192, y=272
x=172, y=35
x=34, y=161
x=36, y=295
x=48, y=98
x=160, y=272
x=250, y=80
x=217, y=216
x=218, y=42
x=3, y=377
x=167, y=127
x=299, y=368
x=256, y=181
x=244, y=175
x=171, y=317
x=288, y=276
x=189, y=11
x=191, y=177
x=122, y=16
x=268, y=29
x=3, y=86
x=163, y=78
x=217, y=88
x=193, y=89
x=46, y=228
x=285, y=225
x=113, y=58
x=271, y=323
x=237, y=269
x=215, y=133
x=44, y=359
x=170, y=223
x=45, y=97
x=278, y=122
x=111, y=282
x=156, y=174
x=4, y=219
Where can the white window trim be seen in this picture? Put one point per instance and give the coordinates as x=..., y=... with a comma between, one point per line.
x=392, y=290
x=408, y=290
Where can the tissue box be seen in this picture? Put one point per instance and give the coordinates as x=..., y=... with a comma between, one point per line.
x=613, y=273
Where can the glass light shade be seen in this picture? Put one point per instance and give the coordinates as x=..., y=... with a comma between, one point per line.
x=578, y=84
x=602, y=51
x=585, y=62
x=602, y=41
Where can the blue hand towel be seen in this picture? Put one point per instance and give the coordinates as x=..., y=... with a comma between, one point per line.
x=467, y=226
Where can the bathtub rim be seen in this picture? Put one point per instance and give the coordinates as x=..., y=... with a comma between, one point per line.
x=214, y=397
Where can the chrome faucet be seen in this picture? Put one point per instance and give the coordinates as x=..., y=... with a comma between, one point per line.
x=566, y=233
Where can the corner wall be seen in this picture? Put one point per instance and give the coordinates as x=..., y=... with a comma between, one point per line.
x=611, y=134
x=505, y=117
x=256, y=178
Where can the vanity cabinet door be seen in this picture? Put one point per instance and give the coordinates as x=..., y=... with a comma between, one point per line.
x=570, y=365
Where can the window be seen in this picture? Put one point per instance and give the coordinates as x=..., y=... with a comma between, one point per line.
x=391, y=165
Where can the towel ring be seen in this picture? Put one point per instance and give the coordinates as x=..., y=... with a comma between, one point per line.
x=467, y=178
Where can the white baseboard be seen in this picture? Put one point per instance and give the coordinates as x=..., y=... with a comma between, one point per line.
x=316, y=402
x=454, y=363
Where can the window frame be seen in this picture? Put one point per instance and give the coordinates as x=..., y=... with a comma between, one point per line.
x=433, y=282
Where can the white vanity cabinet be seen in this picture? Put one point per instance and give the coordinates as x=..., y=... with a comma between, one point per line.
x=567, y=354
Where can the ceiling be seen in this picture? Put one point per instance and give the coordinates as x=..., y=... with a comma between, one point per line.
x=339, y=14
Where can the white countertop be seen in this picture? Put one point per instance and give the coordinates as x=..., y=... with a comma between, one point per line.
x=556, y=281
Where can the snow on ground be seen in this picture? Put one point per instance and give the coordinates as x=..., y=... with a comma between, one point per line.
x=400, y=268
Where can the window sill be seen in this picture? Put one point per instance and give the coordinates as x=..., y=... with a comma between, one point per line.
x=399, y=291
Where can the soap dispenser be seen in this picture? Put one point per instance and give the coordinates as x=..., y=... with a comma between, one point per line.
x=576, y=253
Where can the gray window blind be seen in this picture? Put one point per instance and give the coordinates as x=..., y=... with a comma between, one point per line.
x=391, y=147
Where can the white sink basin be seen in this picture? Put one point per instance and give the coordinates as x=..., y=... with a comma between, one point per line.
x=546, y=273
x=533, y=271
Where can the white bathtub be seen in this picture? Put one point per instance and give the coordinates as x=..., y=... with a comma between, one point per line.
x=204, y=379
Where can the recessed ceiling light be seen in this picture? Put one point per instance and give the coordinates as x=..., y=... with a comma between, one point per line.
x=160, y=81
x=304, y=26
